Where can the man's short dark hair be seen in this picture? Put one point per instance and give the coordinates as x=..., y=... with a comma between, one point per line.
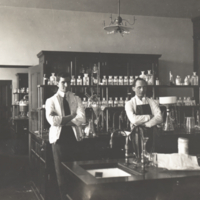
x=63, y=75
x=138, y=79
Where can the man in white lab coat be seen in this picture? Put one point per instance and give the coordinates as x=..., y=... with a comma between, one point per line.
x=143, y=111
x=65, y=113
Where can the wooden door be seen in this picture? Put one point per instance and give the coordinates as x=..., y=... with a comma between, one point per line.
x=5, y=107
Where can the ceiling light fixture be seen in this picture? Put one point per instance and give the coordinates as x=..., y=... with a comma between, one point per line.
x=117, y=25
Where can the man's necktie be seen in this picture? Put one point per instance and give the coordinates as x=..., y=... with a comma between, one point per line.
x=66, y=106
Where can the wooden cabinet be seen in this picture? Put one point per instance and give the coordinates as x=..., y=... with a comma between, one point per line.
x=78, y=63
x=42, y=168
x=19, y=126
x=196, y=43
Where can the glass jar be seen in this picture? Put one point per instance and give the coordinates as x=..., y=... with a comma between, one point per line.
x=171, y=79
x=142, y=75
x=104, y=80
x=115, y=81
x=45, y=80
x=186, y=81
x=183, y=146
x=131, y=80
x=94, y=78
x=73, y=81
x=110, y=102
x=194, y=79
x=121, y=102
x=116, y=102
x=79, y=80
x=149, y=78
x=125, y=80
x=110, y=80
x=86, y=79
x=53, y=79
x=104, y=102
x=157, y=81
x=121, y=82
x=178, y=80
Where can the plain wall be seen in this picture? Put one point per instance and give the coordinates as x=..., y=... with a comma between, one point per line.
x=26, y=32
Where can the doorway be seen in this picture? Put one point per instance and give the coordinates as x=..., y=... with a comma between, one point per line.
x=5, y=107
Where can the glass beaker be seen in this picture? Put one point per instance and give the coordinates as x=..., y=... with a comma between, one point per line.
x=189, y=124
x=144, y=153
x=168, y=125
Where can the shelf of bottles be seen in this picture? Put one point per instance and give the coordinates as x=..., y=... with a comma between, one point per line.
x=108, y=87
x=20, y=106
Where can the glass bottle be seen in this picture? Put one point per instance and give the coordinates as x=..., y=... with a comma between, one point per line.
x=116, y=102
x=157, y=81
x=110, y=102
x=194, y=79
x=79, y=80
x=197, y=118
x=189, y=79
x=73, y=81
x=142, y=75
x=45, y=80
x=121, y=102
x=53, y=79
x=171, y=79
x=86, y=79
x=115, y=81
x=186, y=81
x=131, y=80
x=178, y=80
x=104, y=80
x=149, y=78
x=110, y=80
x=85, y=103
x=104, y=102
x=94, y=77
x=121, y=82
x=125, y=80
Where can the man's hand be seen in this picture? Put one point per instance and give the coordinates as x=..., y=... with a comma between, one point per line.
x=147, y=125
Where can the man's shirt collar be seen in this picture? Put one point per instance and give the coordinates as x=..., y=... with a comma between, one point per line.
x=143, y=101
x=60, y=93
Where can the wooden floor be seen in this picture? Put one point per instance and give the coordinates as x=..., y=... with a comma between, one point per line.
x=14, y=173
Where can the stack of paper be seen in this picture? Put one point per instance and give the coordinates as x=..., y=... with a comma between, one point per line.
x=177, y=161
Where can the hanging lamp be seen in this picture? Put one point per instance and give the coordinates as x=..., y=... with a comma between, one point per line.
x=117, y=25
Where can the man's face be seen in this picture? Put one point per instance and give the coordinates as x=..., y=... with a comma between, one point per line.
x=64, y=84
x=140, y=88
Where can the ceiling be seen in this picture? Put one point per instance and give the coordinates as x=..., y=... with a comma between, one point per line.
x=160, y=8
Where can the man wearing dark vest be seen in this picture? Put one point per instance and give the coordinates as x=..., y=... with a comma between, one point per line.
x=142, y=111
x=65, y=113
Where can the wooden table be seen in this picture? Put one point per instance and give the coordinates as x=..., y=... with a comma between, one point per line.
x=155, y=183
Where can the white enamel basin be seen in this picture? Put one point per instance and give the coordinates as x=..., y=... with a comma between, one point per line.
x=108, y=172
